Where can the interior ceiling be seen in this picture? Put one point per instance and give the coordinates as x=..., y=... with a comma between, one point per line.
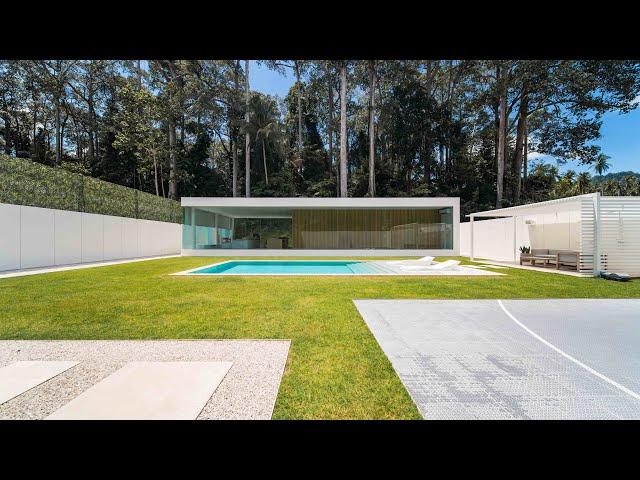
x=250, y=212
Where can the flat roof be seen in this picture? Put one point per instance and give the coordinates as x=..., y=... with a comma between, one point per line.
x=566, y=203
x=300, y=202
x=280, y=207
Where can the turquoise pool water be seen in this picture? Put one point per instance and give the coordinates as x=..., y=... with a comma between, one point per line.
x=284, y=267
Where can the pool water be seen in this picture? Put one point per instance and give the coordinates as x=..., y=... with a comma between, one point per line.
x=283, y=267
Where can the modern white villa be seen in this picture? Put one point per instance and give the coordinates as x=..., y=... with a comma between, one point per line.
x=321, y=226
x=587, y=233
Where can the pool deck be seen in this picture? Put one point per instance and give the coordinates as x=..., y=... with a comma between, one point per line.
x=381, y=268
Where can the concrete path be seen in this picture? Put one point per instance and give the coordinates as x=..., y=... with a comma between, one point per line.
x=247, y=391
x=19, y=377
x=513, y=359
x=148, y=391
x=80, y=266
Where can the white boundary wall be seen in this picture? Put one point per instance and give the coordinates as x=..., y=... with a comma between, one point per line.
x=32, y=237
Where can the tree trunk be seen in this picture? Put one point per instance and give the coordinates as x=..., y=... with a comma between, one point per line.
x=7, y=134
x=502, y=86
x=520, y=133
x=299, y=85
x=164, y=194
x=172, y=158
x=525, y=168
x=330, y=126
x=155, y=173
x=58, y=133
x=426, y=160
x=264, y=161
x=343, y=129
x=247, y=146
x=372, y=133
x=234, y=130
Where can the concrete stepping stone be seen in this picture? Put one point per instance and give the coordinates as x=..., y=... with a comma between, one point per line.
x=148, y=391
x=18, y=377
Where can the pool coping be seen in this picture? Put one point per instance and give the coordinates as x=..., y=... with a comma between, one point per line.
x=434, y=273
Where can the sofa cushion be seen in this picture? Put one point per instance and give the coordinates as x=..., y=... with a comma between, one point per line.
x=539, y=251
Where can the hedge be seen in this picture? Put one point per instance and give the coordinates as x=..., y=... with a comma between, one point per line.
x=23, y=182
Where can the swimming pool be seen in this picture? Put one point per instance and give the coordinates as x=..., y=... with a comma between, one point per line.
x=292, y=267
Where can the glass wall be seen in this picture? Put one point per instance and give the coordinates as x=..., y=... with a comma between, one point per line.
x=274, y=233
x=211, y=230
x=324, y=229
x=373, y=228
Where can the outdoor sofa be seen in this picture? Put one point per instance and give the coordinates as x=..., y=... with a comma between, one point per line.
x=546, y=256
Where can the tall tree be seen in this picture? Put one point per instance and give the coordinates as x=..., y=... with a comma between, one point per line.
x=372, y=134
x=501, y=83
x=343, y=129
x=247, y=140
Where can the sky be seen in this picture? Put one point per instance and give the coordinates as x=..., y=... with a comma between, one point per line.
x=620, y=134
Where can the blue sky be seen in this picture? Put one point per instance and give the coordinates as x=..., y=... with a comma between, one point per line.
x=620, y=133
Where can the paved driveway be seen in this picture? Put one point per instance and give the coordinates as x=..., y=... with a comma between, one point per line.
x=513, y=359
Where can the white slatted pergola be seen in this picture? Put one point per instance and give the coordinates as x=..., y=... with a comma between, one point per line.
x=609, y=234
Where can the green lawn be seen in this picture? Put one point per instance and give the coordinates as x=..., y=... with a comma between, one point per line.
x=335, y=367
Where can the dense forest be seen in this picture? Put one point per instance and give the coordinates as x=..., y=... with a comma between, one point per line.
x=346, y=128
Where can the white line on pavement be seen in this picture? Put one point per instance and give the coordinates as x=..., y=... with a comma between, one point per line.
x=569, y=357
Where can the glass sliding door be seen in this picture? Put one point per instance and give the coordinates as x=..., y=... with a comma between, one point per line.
x=273, y=233
x=346, y=229
x=202, y=229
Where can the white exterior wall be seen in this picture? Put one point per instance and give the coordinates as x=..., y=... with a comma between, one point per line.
x=33, y=237
x=493, y=239
x=620, y=235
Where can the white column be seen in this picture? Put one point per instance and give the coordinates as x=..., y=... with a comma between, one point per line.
x=596, y=243
x=193, y=228
x=515, y=245
x=216, y=236
x=471, y=238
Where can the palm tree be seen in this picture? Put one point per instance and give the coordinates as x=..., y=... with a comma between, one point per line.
x=601, y=165
x=583, y=183
x=264, y=126
x=630, y=185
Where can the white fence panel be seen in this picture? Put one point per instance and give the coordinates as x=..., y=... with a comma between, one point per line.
x=32, y=237
x=9, y=237
x=92, y=238
x=492, y=239
x=68, y=237
x=130, y=238
x=37, y=242
x=112, y=235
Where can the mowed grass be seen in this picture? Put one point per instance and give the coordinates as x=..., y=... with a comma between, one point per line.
x=335, y=367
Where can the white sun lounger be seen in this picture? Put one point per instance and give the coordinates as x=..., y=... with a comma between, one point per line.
x=446, y=265
x=421, y=261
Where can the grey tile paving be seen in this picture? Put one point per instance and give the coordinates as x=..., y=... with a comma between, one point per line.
x=466, y=359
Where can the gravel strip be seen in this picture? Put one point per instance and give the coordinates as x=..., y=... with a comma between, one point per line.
x=248, y=391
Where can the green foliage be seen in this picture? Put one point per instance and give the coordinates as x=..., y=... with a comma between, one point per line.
x=28, y=183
